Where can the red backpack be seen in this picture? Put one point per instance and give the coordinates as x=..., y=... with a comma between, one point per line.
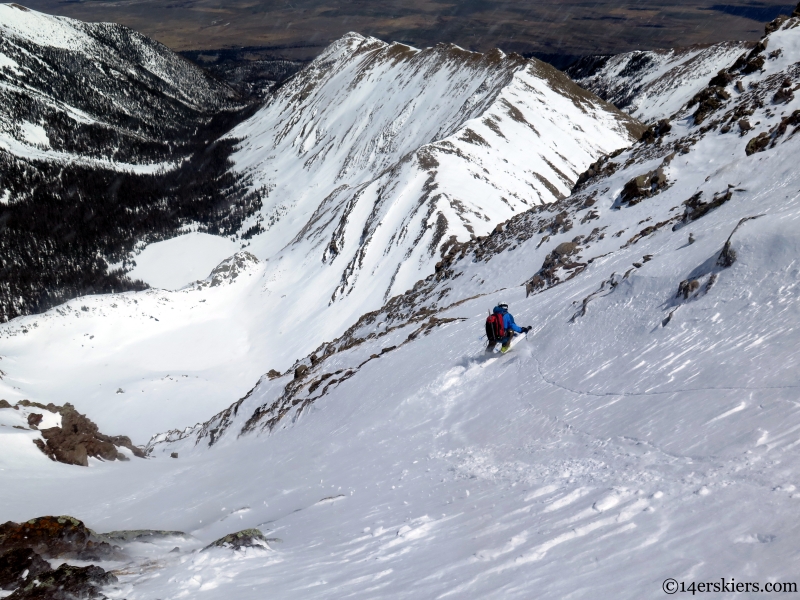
x=494, y=327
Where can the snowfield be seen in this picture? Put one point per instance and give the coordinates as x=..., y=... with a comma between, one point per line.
x=647, y=428
x=177, y=262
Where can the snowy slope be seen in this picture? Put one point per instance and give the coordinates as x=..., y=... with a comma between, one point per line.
x=647, y=430
x=173, y=356
x=427, y=143
x=378, y=157
x=456, y=143
x=654, y=84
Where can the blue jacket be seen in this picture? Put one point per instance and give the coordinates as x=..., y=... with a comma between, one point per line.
x=508, y=320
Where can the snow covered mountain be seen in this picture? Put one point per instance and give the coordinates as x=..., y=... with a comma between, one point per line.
x=672, y=178
x=654, y=84
x=118, y=128
x=97, y=94
x=400, y=149
x=646, y=429
x=480, y=139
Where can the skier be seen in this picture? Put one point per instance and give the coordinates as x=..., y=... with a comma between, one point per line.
x=500, y=327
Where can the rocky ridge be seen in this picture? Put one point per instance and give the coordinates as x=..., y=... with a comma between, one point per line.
x=653, y=84
x=378, y=188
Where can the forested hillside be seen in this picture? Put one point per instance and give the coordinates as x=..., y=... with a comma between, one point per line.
x=107, y=139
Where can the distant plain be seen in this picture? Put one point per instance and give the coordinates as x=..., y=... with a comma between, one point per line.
x=560, y=29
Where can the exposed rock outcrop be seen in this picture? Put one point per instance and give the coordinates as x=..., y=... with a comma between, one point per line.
x=757, y=144
x=230, y=268
x=57, y=537
x=78, y=438
x=558, y=266
x=656, y=131
x=247, y=538
x=776, y=24
x=708, y=101
x=643, y=186
x=19, y=564
x=602, y=167
x=143, y=535
x=700, y=281
x=695, y=208
x=65, y=583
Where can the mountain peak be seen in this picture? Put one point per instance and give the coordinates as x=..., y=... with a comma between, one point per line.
x=384, y=138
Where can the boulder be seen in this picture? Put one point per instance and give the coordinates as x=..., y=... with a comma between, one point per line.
x=57, y=537
x=643, y=186
x=687, y=287
x=565, y=249
x=783, y=95
x=757, y=144
x=78, y=438
x=18, y=564
x=247, y=538
x=65, y=583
